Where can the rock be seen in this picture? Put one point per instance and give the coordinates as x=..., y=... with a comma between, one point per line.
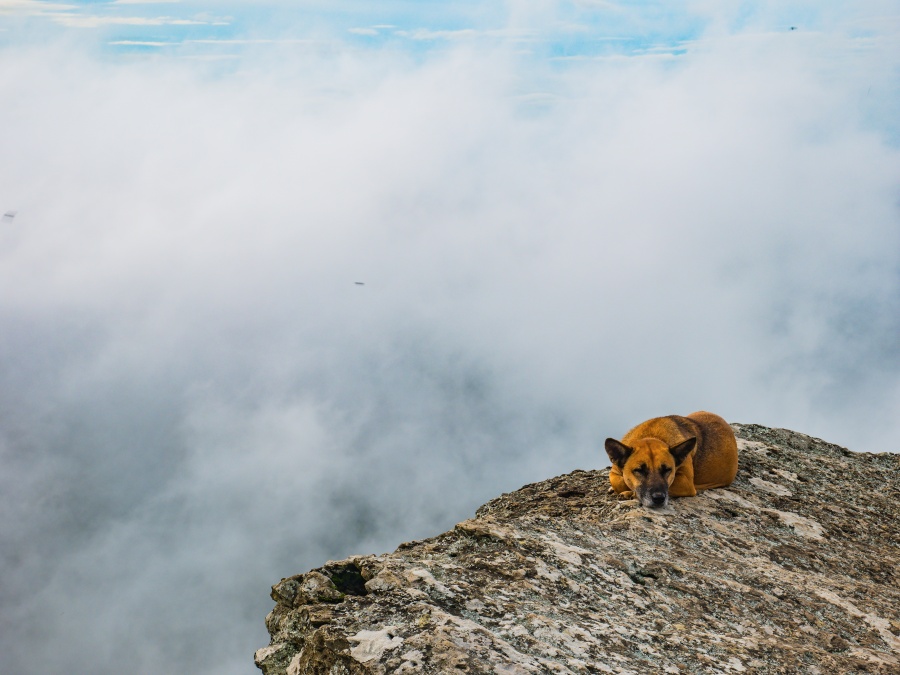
x=372, y=644
x=791, y=569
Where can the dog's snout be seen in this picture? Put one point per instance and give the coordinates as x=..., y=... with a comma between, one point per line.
x=658, y=498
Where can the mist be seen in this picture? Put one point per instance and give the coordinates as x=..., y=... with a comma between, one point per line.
x=317, y=302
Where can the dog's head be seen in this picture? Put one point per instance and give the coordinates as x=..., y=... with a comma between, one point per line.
x=648, y=468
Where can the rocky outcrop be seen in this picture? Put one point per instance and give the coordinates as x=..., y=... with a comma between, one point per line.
x=792, y=569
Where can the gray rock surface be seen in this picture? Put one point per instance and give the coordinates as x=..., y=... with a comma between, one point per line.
x=795, y=568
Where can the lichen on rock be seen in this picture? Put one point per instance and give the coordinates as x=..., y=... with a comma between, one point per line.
x=791, y=569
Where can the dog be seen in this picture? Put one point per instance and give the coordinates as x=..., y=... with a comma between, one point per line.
x=672, y=456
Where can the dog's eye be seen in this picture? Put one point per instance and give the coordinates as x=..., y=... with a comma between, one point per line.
x=640, y=470
x=664, y=470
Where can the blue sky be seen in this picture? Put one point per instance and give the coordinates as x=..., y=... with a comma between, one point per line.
x=569, y=217
x=570, y=29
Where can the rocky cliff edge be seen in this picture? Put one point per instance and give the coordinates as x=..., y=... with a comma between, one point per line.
x=792, y=569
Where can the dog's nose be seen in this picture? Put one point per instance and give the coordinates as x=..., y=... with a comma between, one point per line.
x=659, y=498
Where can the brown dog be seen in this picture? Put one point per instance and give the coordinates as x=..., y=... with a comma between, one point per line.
x=673, y=457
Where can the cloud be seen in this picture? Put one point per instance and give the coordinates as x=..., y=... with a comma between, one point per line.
x=364, y=31
x=141, y=43
x=32, y=7
x=196, y=399
x=88, y=21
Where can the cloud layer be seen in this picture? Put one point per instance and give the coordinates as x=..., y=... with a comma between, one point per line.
x=197, y=398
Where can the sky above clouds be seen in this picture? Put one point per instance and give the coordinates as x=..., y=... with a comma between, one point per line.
x=567, y=217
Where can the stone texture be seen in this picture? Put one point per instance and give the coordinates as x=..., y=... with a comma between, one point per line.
x=792, y=569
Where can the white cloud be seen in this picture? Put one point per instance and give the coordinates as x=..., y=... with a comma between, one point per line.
x=193, y=386
x=262, y=41
x=426, y=34
x=600, y=4
x=96, y=21
x=33, y=7
x=140, y=43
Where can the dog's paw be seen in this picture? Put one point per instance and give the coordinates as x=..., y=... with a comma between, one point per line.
x=628, y=494
x=611, y=490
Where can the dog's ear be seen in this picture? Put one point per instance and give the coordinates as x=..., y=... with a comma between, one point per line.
x=618, y=452
x=682, y=450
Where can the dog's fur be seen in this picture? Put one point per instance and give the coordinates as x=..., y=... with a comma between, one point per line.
x=673, y=456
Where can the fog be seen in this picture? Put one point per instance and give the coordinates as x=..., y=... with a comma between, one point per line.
x=197, y=398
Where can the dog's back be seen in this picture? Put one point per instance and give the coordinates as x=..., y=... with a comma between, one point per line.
x=715, y=458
